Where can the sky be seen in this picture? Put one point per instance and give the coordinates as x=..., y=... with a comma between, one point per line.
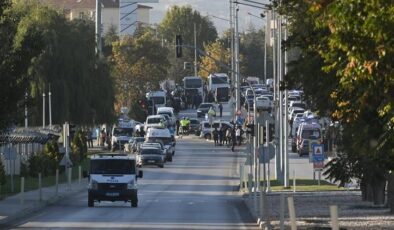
x=218, y=8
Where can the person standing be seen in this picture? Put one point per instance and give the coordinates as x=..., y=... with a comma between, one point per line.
x=221, y=135
x=233, y=139
x=238, y=135
x=220, y=109
x=215, y=136
x=177, y=123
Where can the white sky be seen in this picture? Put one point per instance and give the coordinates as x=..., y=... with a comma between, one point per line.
x=219, y=8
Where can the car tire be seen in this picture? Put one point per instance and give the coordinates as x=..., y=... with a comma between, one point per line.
x=207, y=136
x=161, y=166
x=134, y=200
x=169, y=159
x=90, y=201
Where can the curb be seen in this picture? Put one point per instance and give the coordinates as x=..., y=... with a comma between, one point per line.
x=38, y=206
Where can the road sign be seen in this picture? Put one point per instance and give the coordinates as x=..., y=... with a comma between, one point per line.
x=319, y=165
x=317, y=152
x=265, y=116
x=66, y=161
x=266, y=153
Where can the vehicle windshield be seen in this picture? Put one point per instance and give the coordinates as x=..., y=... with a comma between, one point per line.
x=165, y=113
x=165, y=140
x=311, y=133
x=205, y=105
x=157, y=100
x=219, y=80
x=154, y=120
x=150, y=151
x=123, y=132
x=193, y=83
x=194, y=122
x=112, y=166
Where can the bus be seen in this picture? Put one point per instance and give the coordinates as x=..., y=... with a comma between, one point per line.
x=217, y=80
x=192, y=85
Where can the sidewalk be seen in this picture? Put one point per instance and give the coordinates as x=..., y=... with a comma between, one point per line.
x=11, y=208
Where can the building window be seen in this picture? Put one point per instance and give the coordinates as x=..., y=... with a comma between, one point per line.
x=81, y=15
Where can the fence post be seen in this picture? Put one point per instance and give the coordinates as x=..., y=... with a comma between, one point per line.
x=241, y=177
x=282, y=212
x=79, y=174
x=294, y=181
x=69, y=178
x=22, y=190
x=39, y=187
x=334, y=217
x=290, y=203
x=57, y=182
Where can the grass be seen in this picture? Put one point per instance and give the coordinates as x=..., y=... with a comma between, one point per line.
x=31, y=183
x=306, y=185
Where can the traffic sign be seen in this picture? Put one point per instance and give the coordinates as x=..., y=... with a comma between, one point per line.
x=317, y=152
x=318, y=165
x=266, y=153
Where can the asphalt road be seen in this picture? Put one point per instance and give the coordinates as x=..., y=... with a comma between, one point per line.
x=198, y=190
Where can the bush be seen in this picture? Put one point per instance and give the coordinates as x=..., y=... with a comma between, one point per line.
x=79, y=147
x=45, y=162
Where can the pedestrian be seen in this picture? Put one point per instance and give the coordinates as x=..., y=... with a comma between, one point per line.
x=177, y=124
x=233, y=139
x=238, y=135
x=103, y=137
x=220, y=109
x=215, y=136
x=89, y=138
x=222, y=133
x=228, y=136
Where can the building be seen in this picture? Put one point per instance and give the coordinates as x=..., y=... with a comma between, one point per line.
x=110, y=14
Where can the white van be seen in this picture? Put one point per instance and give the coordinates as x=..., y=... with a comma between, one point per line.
x=164, y=136
x=308, y=132
x=167, y=111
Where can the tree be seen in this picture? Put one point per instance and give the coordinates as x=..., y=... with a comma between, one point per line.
x=221, y=57
x=180, y=21
x=346, y=45
x=138, y=65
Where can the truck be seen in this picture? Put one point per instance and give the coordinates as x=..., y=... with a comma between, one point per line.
x=156, y=99
x=192, y=86
x=217, y=80
x=113, y=177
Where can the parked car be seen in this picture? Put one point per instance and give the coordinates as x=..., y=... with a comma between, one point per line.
x=194, y=124
x=206, y=129
x=263, y=103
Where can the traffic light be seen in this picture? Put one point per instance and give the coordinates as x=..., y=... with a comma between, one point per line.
x=250, y=129
x=178, y=46
x=270, y=134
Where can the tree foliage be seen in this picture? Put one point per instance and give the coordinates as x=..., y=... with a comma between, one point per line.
x=42, y=49
x=138, y=65
x=219, y=57
x=181, y=20
x=347, y=53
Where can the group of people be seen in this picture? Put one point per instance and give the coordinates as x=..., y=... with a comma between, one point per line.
x=182, y=125
x=227, y=136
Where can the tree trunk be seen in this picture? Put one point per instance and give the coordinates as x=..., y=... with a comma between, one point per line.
x=390, y=192
x=379, y=188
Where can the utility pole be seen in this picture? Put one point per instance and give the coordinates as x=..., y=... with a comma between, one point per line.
x=98, y=27
x=26, y=120
x=286, y=132
x=50, y=107
x=43, y=110
x=237, y=72
x=232, y=50
x=195, y=50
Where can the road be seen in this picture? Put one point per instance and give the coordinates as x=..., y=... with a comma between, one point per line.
x=198, y=190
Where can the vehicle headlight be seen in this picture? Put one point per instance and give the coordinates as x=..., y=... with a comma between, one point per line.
x=93, y=185
x=131, y=185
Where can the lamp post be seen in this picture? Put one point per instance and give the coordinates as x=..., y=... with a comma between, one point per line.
x=26, y=121
x=43, y=110
x=50, y=107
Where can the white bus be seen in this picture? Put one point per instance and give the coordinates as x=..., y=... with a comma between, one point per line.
x=193, y=85
x=217, y=80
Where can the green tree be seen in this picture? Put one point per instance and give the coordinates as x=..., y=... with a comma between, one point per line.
x=138, y=65
x=3, y=178
x=180, y=20
x=347, y=47
x=221, y=57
